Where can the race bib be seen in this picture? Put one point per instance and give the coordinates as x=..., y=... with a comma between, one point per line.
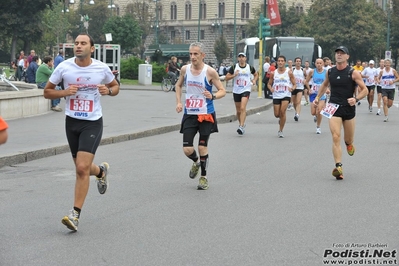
x=329, y=110
x=281, y=88
x=314, y=89
x=370, y=80
x=241, y=82
x=298, y=81
x=81, y=103
x=194, y=103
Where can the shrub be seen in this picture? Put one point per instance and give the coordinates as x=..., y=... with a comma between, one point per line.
x=130, y=69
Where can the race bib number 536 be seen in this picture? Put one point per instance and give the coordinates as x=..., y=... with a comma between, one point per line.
x=81, y=104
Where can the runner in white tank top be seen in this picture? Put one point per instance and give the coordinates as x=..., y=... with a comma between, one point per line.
x=241, y=74
x=296, y=97
x=199, y=116
x=281, y=84
x=387, y=78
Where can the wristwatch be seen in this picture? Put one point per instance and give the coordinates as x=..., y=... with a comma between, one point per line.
x=213, y=97
x=110, y=91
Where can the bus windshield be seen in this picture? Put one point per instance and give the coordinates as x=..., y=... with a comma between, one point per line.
x=293, y=49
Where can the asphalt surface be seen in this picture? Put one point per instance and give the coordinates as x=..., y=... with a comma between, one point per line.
x=138, y=111
x=271, y=201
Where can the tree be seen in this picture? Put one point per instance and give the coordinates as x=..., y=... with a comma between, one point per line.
x=125, y=31
x=221, y=49
x=394, y=42
x=356, y=24
x=21, y=20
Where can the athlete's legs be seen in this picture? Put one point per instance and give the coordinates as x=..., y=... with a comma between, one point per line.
x=241, y=109
x=349, y=130
x=386, y=103
x=297, y=102
x=335, y=128
x=84, y=168
x=282, y=114
x=370, y=98
x=320, y=107
x=379, y=99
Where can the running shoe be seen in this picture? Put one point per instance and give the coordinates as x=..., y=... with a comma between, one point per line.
x=318, y=130
x=314, y=118
x=378, y=112
x=370, y=109
x=306, y=103
x=386, y=119
x=337, y=173
x=289, y=108
x=102, y=182
x=241, y=130
x=350, y=149
x=71, y=221
x=296, y=117
x=280, y=134
x=203, y=183
x=194, y=170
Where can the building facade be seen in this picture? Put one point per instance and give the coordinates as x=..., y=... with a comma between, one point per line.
x=187, y=21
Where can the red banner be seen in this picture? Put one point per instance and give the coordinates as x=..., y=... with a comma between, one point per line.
x=273, y=13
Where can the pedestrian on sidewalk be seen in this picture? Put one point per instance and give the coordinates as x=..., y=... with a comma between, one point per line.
x=85, y=80
x=341, y=109
x=199, y=110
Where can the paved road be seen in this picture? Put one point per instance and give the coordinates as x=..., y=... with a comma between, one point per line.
x=271, y=201
x=138, y=111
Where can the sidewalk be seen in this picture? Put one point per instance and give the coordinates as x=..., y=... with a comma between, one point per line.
x=138, y=111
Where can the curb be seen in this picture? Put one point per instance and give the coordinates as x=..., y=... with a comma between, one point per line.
x=43, y=153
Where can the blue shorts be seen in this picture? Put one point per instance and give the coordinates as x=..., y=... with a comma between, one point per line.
x=313, y=96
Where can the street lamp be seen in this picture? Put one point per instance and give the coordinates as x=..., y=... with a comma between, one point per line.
x=156, y=22
x=83, y=18
x=199, y=19
x=111, y=6
x=387, y=7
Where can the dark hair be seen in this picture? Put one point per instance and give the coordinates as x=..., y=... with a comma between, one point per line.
x=283, y=57
x=47, y=59
x=297, y=58
x=35, y=58
x=91, y=38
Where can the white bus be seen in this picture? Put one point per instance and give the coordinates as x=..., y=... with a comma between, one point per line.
x=290, y=47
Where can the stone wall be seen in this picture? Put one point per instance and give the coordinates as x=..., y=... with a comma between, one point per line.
x=29, y=101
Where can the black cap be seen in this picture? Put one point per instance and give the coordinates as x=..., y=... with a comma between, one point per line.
x=343, y=49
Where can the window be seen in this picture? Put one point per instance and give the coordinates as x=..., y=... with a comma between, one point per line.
x=160, y=11
x=245, y=10
x=203, y=11
x=187, y=35
x=299, y=9
x=173, y=11
x=202, y=36
x=221, y=10
x=172, y=35
x=188, y=11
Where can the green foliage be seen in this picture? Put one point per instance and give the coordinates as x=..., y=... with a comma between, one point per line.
x=355, y=24
x=130, y=69
x=125, y=31
x=221, y=49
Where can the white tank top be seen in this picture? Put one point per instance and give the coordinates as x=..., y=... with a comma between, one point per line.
x=386, y=78
x=242, y=82
x=196, y=102
x=299, y=78
x=307, y=73
x=281, y=85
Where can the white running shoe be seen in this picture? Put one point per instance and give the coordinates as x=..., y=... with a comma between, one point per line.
x=318, y=130
x=280, y=134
